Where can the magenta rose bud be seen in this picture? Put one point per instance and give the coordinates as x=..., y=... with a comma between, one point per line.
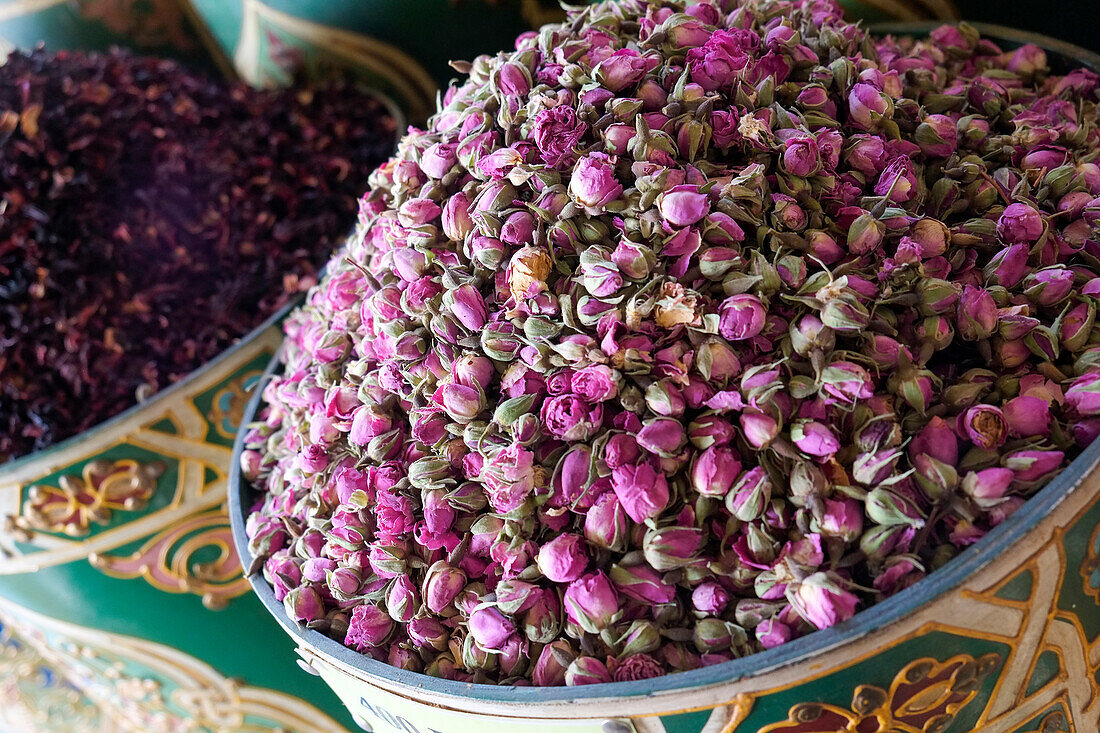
x=642, y=583
x=845, y=383
x=842, y=519
x=669, y=548
x=801, y=156
x=596, y=383
x=749, y=497
x=1020, y=223
x=741, y=317
x=402, y=599
x=1083, y=395
x=938, y=440
x=304, y=604
x=898, y=182
x=714, y=470
x=987, y=488
x=710, y=599
x=822, y=601
x=442, y=584
x=571, y=418
x=682, y=206
x=977, y=316
x=1027, y=416
x=563, y=559
x=984, y=426
x=662, y=436
x=468, y=306
x=490, y=628
x=551, y=666
x=461, y=402
x=586, y=671
x=368, y=627
x=591, y=602
x=642, y=491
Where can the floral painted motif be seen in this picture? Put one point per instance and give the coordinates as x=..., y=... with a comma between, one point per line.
x=924, y=697
x=78, y=502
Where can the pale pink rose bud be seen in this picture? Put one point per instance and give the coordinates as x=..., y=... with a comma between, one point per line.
x=593, y=184
x=457, y=223
x=402, y=600
x=937, y=136
x=823, y=601
x=563, y=559
x=714, y=470
x=682, y=206
x=586, y=671
x=642, y=583
x=716, y=63
x=867, y=106
x=842, y=519
x=473, y=371
x=461, y=402
x=710, y=599
x=550, y=668
x=771, y=633
x=442, y=584
x=741, y=317
x=987, y=487
x=368, y=627
x=591, y=602
x=814, y=438
x=605, y=523
x=438, y=159
x=490, y=628
x=759, y=427
x=749, y=497
x=468, y=307
x=312, y=458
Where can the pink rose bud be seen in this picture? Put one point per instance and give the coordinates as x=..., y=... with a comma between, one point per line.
x=1049, y=286
x=1027, y=416
x=1033, y=466
x=937, y=440
x=867, y=106
x=759, y=427
x=641, y=583
x=662, y=436
x=821, y=600
x=710, y=599
x=563, y=559
x=842, y=519
x=593, y=184
x=571, y=418
x=716, y=63
x=442, y=584
x=490, y=628
x=438, y=159
x=586, y=671
x=1083, y=395
x=771, y=633
x=461, y=402
x=542, y=621
x=682, y=206
x=624, y=68
x=887, y=507
x=1009, y=266
x=642, y=491
x=368, y=627
x=749, y=497
x=987, y=487
x=550, y=668
x=596, y=383
x=899, y=181
x=1020, y=223
x=402, y=600
x=866, y=154
x=845, y=383
x=977, y=317
x=801, y=156
x=591, y=602
x=304, y=604
x=984, y=426
x=937, y=136
x=865, y=234
x=669, y=548
x=741, y=317
x=714, y=470
x=467, y=306
x=814, y=438
x=605, y=523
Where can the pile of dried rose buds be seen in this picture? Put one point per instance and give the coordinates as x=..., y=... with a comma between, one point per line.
x=683, y=331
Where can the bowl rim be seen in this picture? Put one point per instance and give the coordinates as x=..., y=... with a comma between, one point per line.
x=808, y=648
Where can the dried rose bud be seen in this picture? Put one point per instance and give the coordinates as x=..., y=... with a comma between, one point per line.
x=1083, y=395
x=426, y=632
x=303, y=604
x=771, y=633
x=710, y=599
x=591, y=602
x=987, y=488
x=1020, y=223
x=642, y=583
x=490, y=628
x=741, y=317
x=563, y=559
x=1032, y=466
x=984, y=426
x=586, y=671
x=887, y=507
x=822, y=600
x=714, y=471
x=814, y=438
x=977, y=318
x=543, y=620
x=442, y=584
x=637, y=667
x=606, y=524
x=550, y=668
x=669, y=548
x=642, y=491
x=937, y=136
x=368, y=627
x=749, y=497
